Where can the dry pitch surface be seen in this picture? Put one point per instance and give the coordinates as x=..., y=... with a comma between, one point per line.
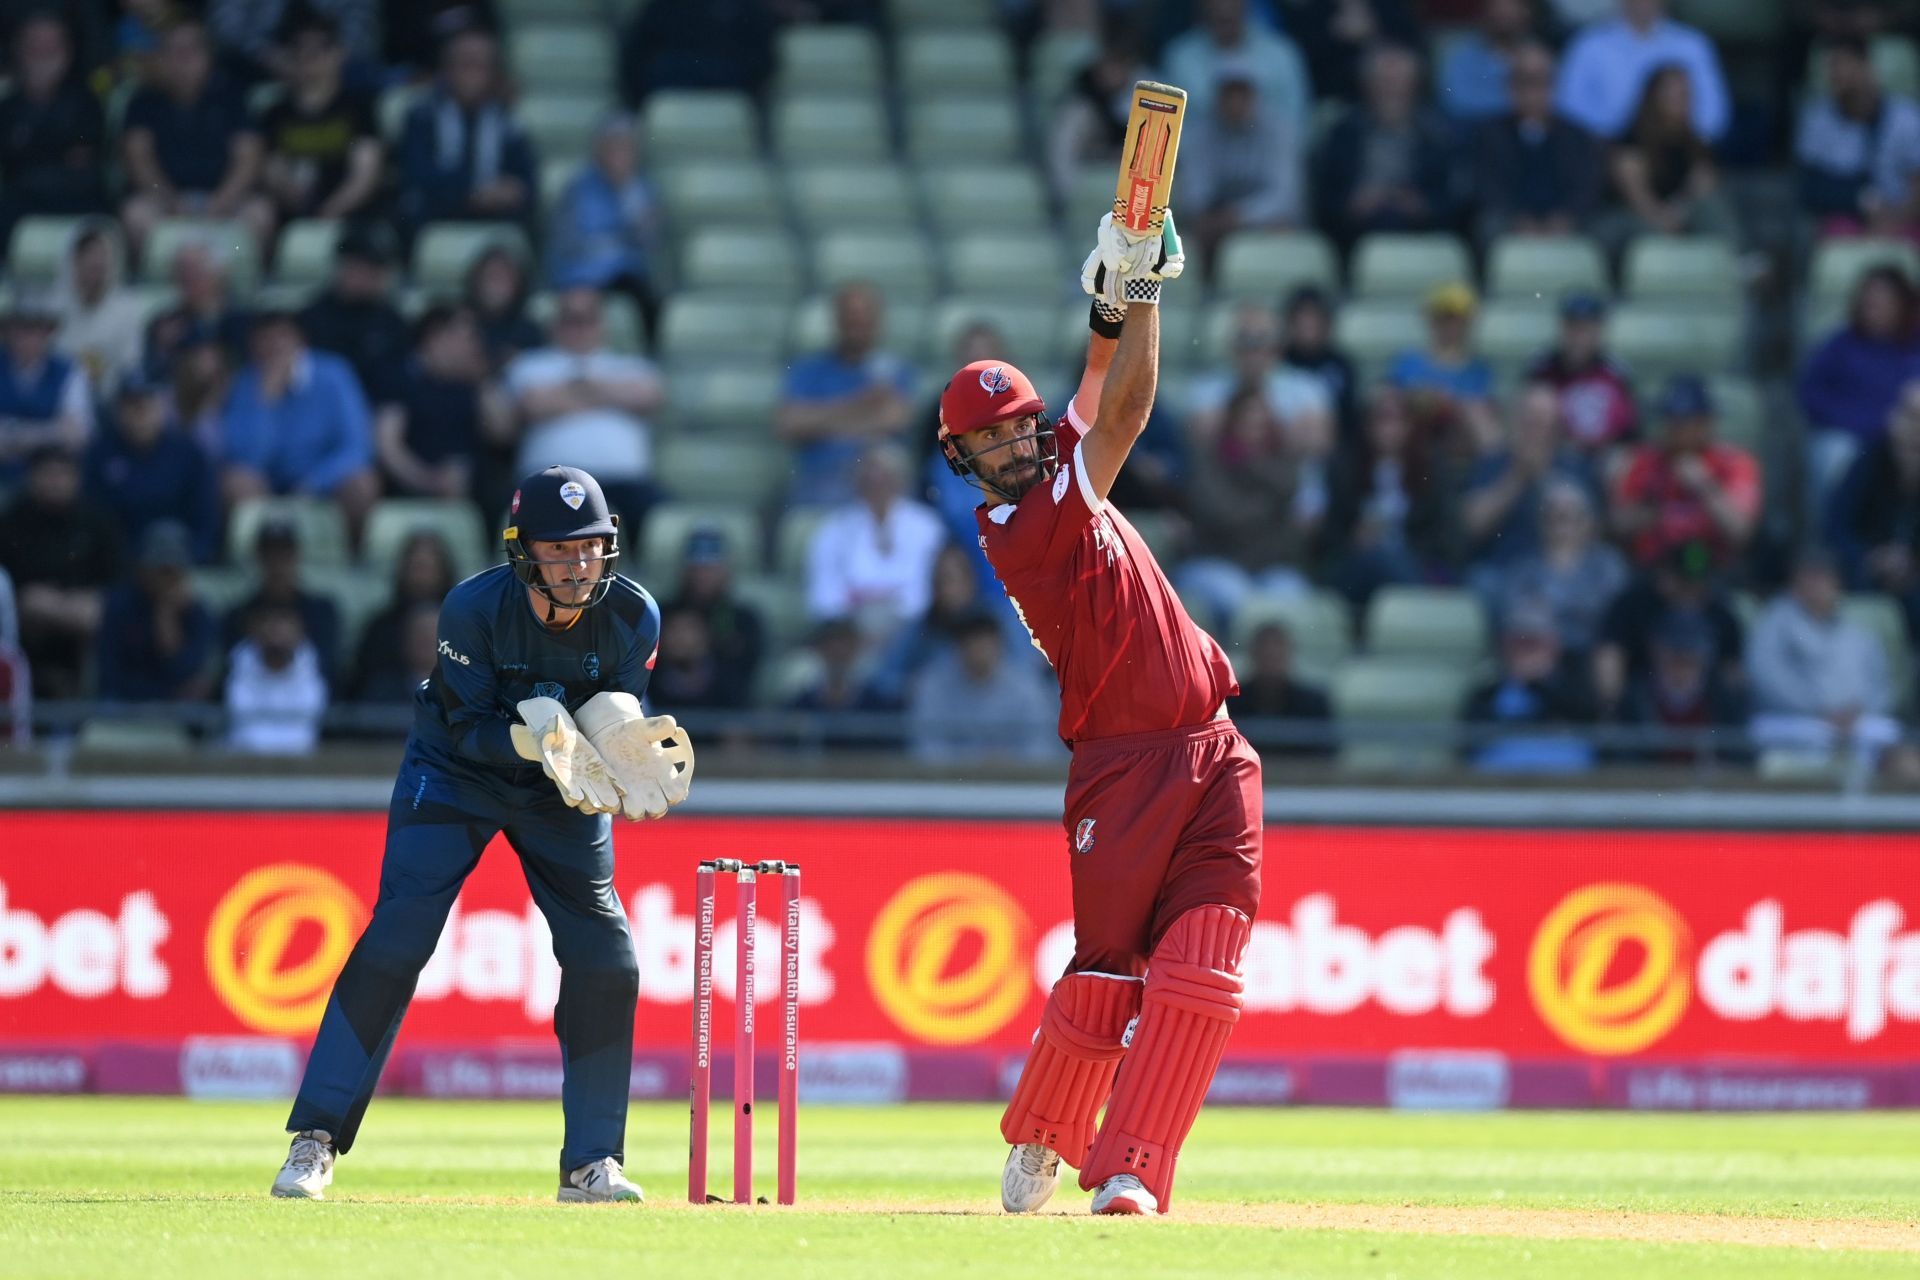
x=156, y=1189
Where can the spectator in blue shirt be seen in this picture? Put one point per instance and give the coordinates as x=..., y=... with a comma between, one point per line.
x=156, y=639
x=605, y=232
x=1609, y=63
x=148, y=470
x=1474, y=70
x=296, y=422
x=189, y=146
x=43, y=395
x=1858, y=148
x=1506, y=491
x=1448, y=389
x=840, y=401
x=462, y=154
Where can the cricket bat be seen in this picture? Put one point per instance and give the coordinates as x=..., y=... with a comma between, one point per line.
x=1146, y=161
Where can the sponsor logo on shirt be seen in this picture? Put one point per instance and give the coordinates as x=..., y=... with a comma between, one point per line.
x=1060, y=482
x=447, y=651
x=591, y=665
x=550, y=689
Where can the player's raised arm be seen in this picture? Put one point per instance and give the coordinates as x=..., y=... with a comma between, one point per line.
x=1116, y=392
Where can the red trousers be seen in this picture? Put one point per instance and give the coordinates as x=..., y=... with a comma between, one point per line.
x=1158, y=824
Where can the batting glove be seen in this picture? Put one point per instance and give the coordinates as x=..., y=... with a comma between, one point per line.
x=1121, y=270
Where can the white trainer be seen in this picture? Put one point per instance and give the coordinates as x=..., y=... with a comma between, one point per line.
x=308, y=1171
x=1032, y=1172
x=1124, y=1193
x=599, y=1183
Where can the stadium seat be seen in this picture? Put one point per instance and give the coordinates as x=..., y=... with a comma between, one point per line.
x=574, y=57
x=1056, y=59
x=322, y=529
x=1738, y=21
x=38, y=250
x=1839, y=264
x=664, y=541
x=393, y=107
x=1319, y=622
x=830, y=197
x=907, y=15
x=1373, y=332
x=619, y=316
x=762, y=263
x=459, y=524
x=1268, y=265
x=1657, y=341
x=826, y=59
x=936, y=62
x=357, y=596
x=720, y=193
x=961, y=129
x=1510, y=333
x=700, y=124
x=906, y=328
x=229, y=241
x=898, y=263
x=555, y=177
x=702, y=328
x=103, y=735
x=1438, y=623
x=1410, y=703
x=967, y=198
x=1693, y=270
x=1092, y=195
x=1537, y=268
x=724, y=399
x=305, y=256
x=444, y=250
x=1741, y=413
x=792, y=539
x=1162, y=531
x=1407, y=266
x=782, y=605
x=831, y=128
x=1214, y=339
x=221, y=587
x=1030, y=328
x=1005, y=264
x=561, y=124
x=722, y=469
x=1881, y=615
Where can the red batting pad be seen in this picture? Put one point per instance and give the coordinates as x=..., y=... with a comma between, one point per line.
x=1191, y=1001
x=1072, y=1063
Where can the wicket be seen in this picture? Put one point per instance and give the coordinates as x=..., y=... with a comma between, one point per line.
x=746, y=893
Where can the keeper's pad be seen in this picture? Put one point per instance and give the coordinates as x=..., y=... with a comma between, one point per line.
x=1071, y=1067
x=1191, y=1001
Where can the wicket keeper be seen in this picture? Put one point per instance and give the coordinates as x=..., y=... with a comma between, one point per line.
x=530, y=725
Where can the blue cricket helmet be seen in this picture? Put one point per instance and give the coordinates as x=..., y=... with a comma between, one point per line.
x=560, y=504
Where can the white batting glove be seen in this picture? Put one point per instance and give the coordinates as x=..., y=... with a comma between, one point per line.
x=651, y=757
x=552, y=740
x=1122, y=270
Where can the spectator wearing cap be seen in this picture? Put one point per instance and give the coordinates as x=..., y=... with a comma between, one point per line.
x=43, y=394
x=1306, y=344
x=1684, y=694
x=1449, y=389
x=1538, y=173
x=462, y=154
x=189, y=148
x=1683, y=581
x=606, y=230
x=1873, y=518
x=102, y=324
x=148, y=470
x=1506, y=490
x=321, y=138
x=872, y=559
x=1596, y=397
x=297, y=423
x=840, y=402
x=1243, y=165
x=422, y=576
x=52, y=129
x=1534, y=705
x=1688, y=487
x=61, y=548
x=1610, y=61
x=1821, y=685
x=276, y=689
x=355, y=318
x=1227, y=33
x=1270, y=690
x=437, y=432
x=1477, y=68
x=1388, y=164
x=205, y=310
x=973, y=703
x=156, y=639
x=1858, y=148
x=733, y=632
x=1572, y=571
x=276, y=554
x=1854, y=378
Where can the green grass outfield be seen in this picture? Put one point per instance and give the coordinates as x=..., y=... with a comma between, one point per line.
x=103, y=1187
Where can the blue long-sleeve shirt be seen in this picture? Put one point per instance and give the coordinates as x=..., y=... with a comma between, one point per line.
x=132, y=667
x=311, y=438
x=171, y=480
x=1851, y=383
x=495, y=653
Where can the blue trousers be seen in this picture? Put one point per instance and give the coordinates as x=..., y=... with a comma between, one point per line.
x=441, y=817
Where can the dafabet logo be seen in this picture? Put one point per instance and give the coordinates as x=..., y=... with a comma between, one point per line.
x=1611, y=968
x=276, y=942
x=948, y=958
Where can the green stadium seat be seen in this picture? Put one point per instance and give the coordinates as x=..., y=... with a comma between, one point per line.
x=1735, y=21
x=1162, y=531
x=1030, y=328
x=1839, y=264
x=1218, y=324
x=722, y=469
x=1407, y=266
x=1373, y=332
x=1741, y=411
x=322, y=529
x=832, y=197
x=1056, y=59
x=935, y=62
x=724, y=399
x=1431, y=623
x=906, y=334
x=700, y=124
x=305, y=256
x=762, y=262
x=698, y=328
x=1656, y=341
x=828, y=59
x=1319, y=622
x=38, y=251
x=444, y=251
x=831, y=129
x=1399, y=697
x=229, y=241
x=793, y=538
x=960, y=128
x=1880, y=615
x=969, y=198
x=221, y=587
x=623, y=329
x=555, y=177
x=1511, y=333
x=574, y=57
x=1268, y=265
x=458, y=523
x=1092, y=195
x=907, y=15
x=1008, y=264
x=721, y=193
x=561, y=124
x=664, y=540
x=108, y=736
x=783, y=609
x=357, y=597
x=1692, y=270
x=1543, y=269
x=898, y=263
x=393, y=107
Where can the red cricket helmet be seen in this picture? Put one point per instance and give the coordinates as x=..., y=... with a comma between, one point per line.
x=978, y=396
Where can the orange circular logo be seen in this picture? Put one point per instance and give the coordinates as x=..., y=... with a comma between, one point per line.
x=276, y=942
x=1611, y=968
x=948, y=958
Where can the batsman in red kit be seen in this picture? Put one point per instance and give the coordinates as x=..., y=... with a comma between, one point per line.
x=1163, y=798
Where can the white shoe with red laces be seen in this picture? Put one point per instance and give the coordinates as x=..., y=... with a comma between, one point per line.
x=1123, y=1193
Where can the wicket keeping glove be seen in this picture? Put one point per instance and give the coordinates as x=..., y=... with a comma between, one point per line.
x=651, y=756
x=552, y=740
x=1122, y=270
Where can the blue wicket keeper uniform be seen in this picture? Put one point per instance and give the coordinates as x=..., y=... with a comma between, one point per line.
x=461, y=783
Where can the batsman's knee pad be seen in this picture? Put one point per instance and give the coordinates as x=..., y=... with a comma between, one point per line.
x=1192, y=998
x=1071, y=1067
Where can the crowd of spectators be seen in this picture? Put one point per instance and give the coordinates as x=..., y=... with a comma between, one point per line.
x=1604, y=523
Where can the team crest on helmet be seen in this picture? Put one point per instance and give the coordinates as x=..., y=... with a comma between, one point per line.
x=550, y=689
x=1083, y=836
x=573, y=493
x=994, y=381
